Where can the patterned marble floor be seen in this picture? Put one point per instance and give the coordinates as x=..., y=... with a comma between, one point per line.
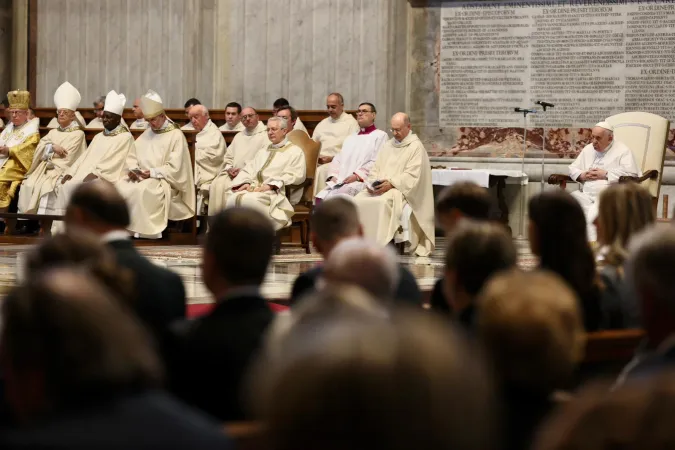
x=282, y=272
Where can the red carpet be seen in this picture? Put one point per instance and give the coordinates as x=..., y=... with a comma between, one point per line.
x=204, y=308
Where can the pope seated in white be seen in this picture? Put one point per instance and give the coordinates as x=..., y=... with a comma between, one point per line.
x=331, y=133
x=241, y=150
x=348, y=170
x=398, y=203
x=600, y=163
x=209, y=151
x=261, y=183
x=159, y=185
x=232, y=118
x=55, y=154
x=105, y=158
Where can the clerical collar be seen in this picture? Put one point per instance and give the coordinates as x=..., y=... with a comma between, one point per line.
x=280, y=144
x=70, y=127
x=368, y=130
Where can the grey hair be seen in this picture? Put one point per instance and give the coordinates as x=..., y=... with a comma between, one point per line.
x=366, y=264
x=100, y=99
x=203, y=109
x=649, y=266
x=283, y=123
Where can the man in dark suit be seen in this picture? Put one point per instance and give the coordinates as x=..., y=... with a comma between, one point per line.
x=332, y=222
x=218, y=348
x=80, y=373
x=464, y=200
x=98, y=207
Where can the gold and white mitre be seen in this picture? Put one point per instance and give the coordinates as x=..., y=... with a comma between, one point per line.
x=151, y=105
x=19, y=99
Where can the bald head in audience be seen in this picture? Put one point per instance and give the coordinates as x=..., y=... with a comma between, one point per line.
x=335, y=105
x=97, y=207
x=67, y=342
x=366, y=264
x=249, y=117
x=199, y=116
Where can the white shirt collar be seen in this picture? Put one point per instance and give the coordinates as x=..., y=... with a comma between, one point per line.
x=115, y=235
x=280, y=144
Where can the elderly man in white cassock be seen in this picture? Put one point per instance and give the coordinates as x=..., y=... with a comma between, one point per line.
x=209, y=151
x=261, y=183
x=243, y=148
x=331, y=133
x=54, y=123
x=105, y=158
x=350, y=167
x=599, y=164
x=398, y=202
x=140, y=123
x=55, y=154
x=159, y=185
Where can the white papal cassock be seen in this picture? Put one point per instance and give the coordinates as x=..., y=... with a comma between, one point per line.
x=48, y=168
x=238, y=127
x=406, y=212
x=210, y=150
x=105, y=158
x=278, y=165
x=357, y=157
x=617, y=160
x=331, y=133
x=241, y=150
x=169, y=193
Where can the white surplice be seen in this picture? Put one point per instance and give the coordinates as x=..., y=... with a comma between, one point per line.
x=300, y=126
x=406, y=212
x=358, y=155
x=140, y=124
x=169, y=193
x=243, y=148
x=278, y=165
x=210, y=150
x=617, y=160
x=238, y=127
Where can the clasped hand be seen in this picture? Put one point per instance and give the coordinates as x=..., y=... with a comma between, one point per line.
x=138, y=175
x=594, y=174
x=383, y=187
x=59, y=151
x=246, y=187
x=4, y=150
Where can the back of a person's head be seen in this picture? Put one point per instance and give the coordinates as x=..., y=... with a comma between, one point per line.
x=637, y=416
x=476, y=251
x=278, y=103
x=558, y=236
x=398, y=382
x=334, y=219
x=366, y=264
x=82, y=250
x=649, y=268
x=469, y=199
x=624, y=210
x=99, y=201
x=65, y=326
x=241, y=242
x=531, y=327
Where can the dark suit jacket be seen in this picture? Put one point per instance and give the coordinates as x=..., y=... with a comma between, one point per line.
x=161, y=294
x=407, y=291
x=215, y=353
x=152, y=420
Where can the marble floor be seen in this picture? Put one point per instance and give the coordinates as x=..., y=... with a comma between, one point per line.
x=184, y=260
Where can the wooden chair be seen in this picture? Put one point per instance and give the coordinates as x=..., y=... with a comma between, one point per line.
x=303, y=209
x=646, y=135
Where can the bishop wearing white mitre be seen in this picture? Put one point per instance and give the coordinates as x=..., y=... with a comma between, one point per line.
x=105, y=158
x=262, y=182
x=398, y=202
x=159, y=185
x=599, y=164
x=55, y=154
x=243, y=148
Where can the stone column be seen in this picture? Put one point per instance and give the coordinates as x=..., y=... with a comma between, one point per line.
x=5, y=45
x=19, y=64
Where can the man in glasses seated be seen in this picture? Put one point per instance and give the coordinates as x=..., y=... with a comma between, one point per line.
x=242, y=149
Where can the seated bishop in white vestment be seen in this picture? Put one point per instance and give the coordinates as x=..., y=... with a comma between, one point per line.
x=159, y=185
x=54, y=123
x=262, y=183
x=241, y=150
x=105, y=158
x=599, y=164
x=351, y=166
x=210, y=150
x=54, y=155
x=401, y=206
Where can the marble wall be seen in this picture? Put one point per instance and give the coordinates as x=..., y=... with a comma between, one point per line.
x=5, y=45
x=251, y=51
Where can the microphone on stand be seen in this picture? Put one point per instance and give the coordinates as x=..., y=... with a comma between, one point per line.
x=525, y=111
x=545, y=104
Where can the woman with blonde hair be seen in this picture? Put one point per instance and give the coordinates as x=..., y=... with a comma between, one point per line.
x=624, y=210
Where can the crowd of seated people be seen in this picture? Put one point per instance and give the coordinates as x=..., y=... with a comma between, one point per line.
x=96, y=350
